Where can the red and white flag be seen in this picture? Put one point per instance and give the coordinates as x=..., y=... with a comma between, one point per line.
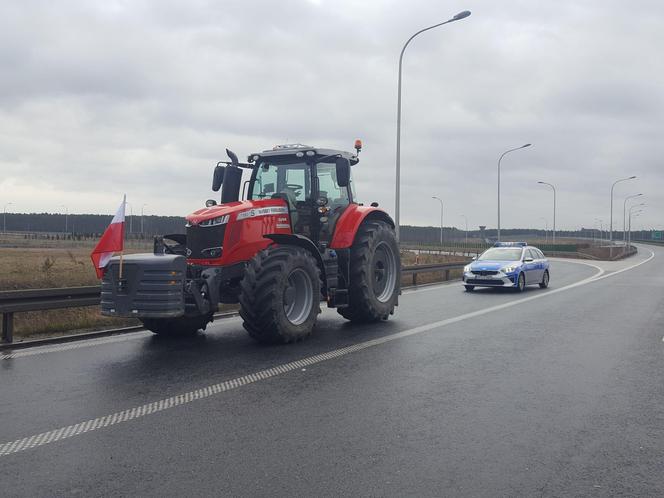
x=111, y=241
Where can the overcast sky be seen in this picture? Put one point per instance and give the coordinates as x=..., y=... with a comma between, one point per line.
x=103, y=98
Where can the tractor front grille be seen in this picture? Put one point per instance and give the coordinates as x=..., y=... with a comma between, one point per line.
x=205, y=242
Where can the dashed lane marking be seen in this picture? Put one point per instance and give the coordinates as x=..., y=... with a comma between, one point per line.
x=67, y=432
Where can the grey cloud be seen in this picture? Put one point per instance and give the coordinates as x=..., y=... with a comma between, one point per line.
x=144, y=96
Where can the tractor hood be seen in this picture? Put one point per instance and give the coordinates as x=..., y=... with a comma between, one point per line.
x=242, y=210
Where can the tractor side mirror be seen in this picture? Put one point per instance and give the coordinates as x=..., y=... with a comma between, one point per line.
x=218, y=177
x=343, y=171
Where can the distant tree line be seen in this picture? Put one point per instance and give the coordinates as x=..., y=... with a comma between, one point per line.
x=89, y=224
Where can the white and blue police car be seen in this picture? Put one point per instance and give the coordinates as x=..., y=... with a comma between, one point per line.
x=508, y=264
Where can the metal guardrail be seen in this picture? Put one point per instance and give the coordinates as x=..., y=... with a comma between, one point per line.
x=649, y=241
x=42, y=299
x=73, y=297
x=415, y=270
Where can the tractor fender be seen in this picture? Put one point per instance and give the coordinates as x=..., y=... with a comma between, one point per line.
x=291, y=239
x=350, y=220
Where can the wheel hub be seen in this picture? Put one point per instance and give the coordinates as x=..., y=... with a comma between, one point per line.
x=289, y=295
x=298, y=296
x=384, y=272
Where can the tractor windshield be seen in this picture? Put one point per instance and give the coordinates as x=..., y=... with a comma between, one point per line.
x=293, y=179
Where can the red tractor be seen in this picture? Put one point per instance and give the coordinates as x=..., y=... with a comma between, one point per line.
x=298, y=238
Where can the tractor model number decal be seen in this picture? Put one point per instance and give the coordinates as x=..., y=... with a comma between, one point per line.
x=266, y=211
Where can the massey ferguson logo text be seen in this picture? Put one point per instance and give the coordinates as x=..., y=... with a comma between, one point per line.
x=252, y=213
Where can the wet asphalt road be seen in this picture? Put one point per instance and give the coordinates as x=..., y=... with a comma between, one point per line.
x=553, y=392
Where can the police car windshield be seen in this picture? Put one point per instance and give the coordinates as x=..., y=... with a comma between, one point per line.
x=501, y=254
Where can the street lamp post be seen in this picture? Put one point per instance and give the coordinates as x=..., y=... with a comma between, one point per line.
x=142, y=212
x=601, y=228
x=546, y=229
x=466, y=238
x=458, y=17
x=4, y=217
x=612, y=187
x=131, y=218
x=500, y=159
x=441, y=219
x=554, y=210
x=635, y=214
x=625, y=214
x=66, y=217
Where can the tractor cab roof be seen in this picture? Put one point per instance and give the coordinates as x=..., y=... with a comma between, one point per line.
x=288, y=153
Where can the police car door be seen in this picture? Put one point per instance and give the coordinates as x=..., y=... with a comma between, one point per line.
x=529, y=267
x=538, y=267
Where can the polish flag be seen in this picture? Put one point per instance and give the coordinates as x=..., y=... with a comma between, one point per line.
x=111, y=241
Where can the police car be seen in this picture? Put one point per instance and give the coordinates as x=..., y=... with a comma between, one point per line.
x=508, y=264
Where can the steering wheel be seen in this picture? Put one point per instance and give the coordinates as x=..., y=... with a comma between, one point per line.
x=295, y=188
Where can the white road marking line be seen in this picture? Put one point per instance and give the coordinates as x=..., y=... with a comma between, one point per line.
x=205, y=392
x=73, y=345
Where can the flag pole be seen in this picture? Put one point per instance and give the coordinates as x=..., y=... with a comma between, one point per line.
x=121, y=254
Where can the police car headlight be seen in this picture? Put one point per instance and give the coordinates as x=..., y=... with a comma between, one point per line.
x=466, y=269
x=510, y=269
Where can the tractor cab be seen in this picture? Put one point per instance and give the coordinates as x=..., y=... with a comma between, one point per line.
x=315, y=184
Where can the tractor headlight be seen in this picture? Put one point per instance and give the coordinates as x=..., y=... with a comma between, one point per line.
x=219, y=220
x=212, y=252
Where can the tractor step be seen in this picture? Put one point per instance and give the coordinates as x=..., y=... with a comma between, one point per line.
x=338, y=298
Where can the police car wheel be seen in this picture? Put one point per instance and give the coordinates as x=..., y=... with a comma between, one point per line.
x=469, y=288
x=545, y=280
x=521, y=283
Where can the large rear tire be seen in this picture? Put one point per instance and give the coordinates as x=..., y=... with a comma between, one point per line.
x=280, y=295
x=182, y=325
x=375, y=274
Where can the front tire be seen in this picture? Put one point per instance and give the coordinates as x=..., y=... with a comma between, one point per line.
x=469, y=288
x=179, y=326
x=521, y=283
x=375, y=274
x=280, y=295
x=545, y=280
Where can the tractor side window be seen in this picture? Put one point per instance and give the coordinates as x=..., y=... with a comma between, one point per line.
x=328, y=187
x=266, y=182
